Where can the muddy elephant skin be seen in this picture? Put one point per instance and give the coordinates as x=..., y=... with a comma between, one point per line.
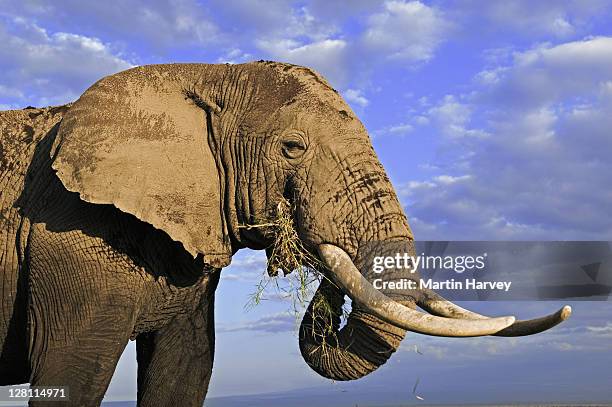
x=119, y=211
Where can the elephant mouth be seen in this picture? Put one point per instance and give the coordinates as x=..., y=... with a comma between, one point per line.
x=444, y=318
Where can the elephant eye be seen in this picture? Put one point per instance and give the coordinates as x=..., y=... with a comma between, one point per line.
x=293, y=146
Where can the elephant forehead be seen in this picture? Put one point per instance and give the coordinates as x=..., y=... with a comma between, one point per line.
x=311, y=111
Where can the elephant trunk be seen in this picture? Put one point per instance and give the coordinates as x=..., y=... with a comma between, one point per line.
x=354, y=350
x=359, y=212
x=348, y=353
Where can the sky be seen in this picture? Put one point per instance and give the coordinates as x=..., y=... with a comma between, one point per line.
x=492, y=120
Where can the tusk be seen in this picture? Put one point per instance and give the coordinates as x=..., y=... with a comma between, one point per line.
x=345, y=274
x=438, y=305
x=537, y=325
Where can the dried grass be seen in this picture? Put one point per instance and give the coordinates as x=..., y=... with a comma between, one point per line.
x=287, y=253
x=302, y=270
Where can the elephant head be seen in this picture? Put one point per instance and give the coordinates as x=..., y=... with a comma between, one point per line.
x=200, y=150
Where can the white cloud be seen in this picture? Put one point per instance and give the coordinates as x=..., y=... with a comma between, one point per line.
x=449, y=179
x=10, y=92
x=489, y=77
x=409, y=31
x=158, y=24
x=400, y=129
x=529, y=16
x=325, y=56
x=421, y=120
x=55, y=68
x=547, y=74
x=567, y=347
x=247, y=266
x=273, y=323
x=603, y=331
x=312, y=35
x=469, y=349
x=559, y=19
x=273, y=20
x=234, y=56
x=452, y=117
x=542, y=170
x=285, y=31
x=356, y=97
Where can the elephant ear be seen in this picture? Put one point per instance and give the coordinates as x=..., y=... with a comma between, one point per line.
x=135, y=141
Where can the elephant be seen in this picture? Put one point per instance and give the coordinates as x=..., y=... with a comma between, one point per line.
x=120, y=210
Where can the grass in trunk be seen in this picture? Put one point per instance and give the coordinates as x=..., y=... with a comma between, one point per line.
x=302, y=272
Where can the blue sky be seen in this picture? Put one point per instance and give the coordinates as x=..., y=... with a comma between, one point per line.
x=492, y=119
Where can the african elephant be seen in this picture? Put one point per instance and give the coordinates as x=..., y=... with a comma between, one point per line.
x=119, y=211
